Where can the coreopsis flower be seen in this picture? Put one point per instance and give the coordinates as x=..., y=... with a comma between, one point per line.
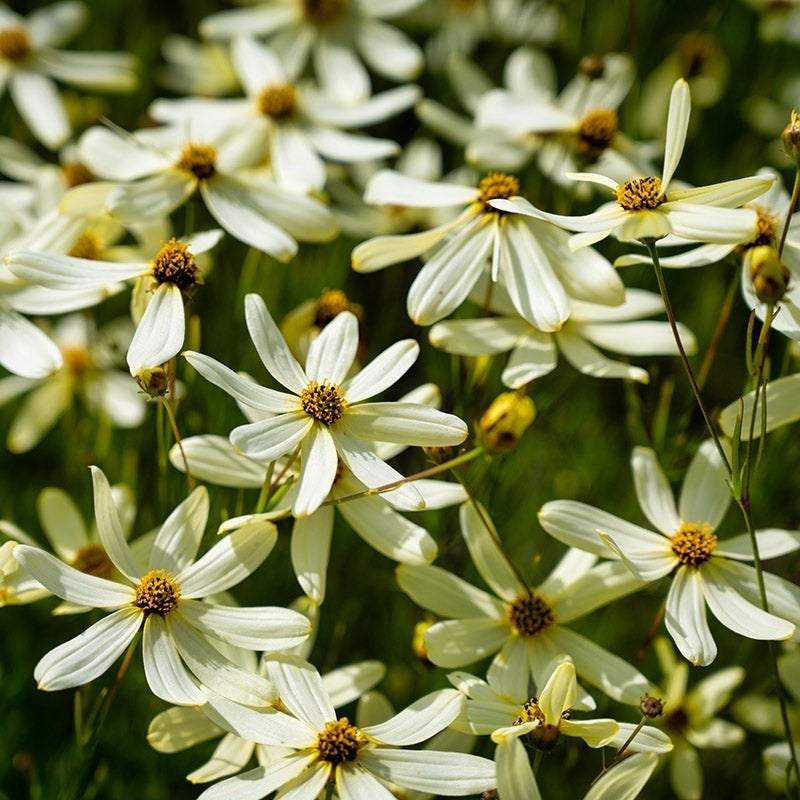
x=534, y=353
x=161, y=168
x=781, y=407
x=530, y=257
x=87, y=371
x=525, y=625
x=648, y=208
x=324, y=416
x=540, y=721
x=320, y=747
x=705, y=572
x=179, y=627
x=163, y=285
x=336, y=35
x=213, y=459
x=690, y=718
x=29, y=61
x=304, y=127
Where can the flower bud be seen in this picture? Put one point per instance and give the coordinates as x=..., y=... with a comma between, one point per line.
x=770, y=277
x=651, y=707
x=504, y=422
x=154, y=382
x=791, y=137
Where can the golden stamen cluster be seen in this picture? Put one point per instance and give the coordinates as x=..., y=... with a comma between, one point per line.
x=640, y=194
x=497, y=186
x=157, y=593
x=339, y=742
x=93, y=560
x=76, y=174
x=199, y=159
x=693, y=543
x=87, y=246
x=545, y=735
x=323, y=401
x=324, y=13
x=596, y=132
x=766, y=228
x=78, y=362
x=277, y=101
x=174, y=263
x=529, y=614
x=14, y=44
x=331, y=303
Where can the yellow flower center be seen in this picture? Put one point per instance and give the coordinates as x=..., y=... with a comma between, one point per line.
x=766, y=228
x=596, y=132
x=693, y=543
x=87, y=246
x=76, y=174
x=277, y=101
x=497, y=186
x=78, y=362
x=157, y=593
x=175, y=264
x=14, y=44
x=530, y=614
x=640, y=194
x=545, y=735
x=93, y=560
x=199, y=159
x=324, y=13
x=330, y=304
x=325, y=402
x=340, y=742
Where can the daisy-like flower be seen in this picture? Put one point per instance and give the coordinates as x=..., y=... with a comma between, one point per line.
x=534, y=353
x=320, y=747
x=161, y=168
x=334, y=33
x=527, y=625
x=324, y=416
x=648, y=208
x=540, y=721
x=304, y=127
x=87, y=373
x=163, y=286
x=29, y=61
x=705, y=571
x=690, y=718
x=166, y=602
x=530, y=257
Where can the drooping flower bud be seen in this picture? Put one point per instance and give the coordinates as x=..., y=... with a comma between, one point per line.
x=791, y=137
x=770, y=277
x=504, y=422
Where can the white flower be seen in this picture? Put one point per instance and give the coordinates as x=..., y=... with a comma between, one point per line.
x=705, y=571
x=530, y=257
x=320, y=747
x=334, y=34
x=180, y=629
x=646, y=208
x=324, y=417
x=29, y=62
x=534, y=352
x=527, y=625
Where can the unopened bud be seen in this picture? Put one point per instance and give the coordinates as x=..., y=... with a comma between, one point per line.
x=418, y=647
x=504, y=422
x=154, y=382
x=592, y=67
x=651, y=706
x=791, y=137
x=770, y=277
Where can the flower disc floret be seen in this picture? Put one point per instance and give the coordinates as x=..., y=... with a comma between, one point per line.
x=87, y=246
x=640, y=194
x=339, y=742
x=530, y=614
x=93, y=560
x=199, y=159
x=324, y=13
x=330, y=303
x=174, y=263
x=15, y=45
x=157, y=593
x=767, y=228
x=693, y=543
x=277, y=101
x=323, y=401
x=77, y=174
x=597, y=131
x=497, y=186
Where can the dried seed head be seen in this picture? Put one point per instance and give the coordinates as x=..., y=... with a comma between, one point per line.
x=340, y=742
x=174, y=263
x=530, y=614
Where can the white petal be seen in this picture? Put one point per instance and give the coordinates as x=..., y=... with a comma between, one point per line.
x=230, y=756
x=404, y=423
x=57, y=271
x=261, y=781
x=339, y=70
x=212, y=459
x=295, y=160
x=653, y=491
x=26, y=350
x=271, y=438
x=319, y=462
x=705, y=495
x=353, y=782
x=515, y=779
x=37, y=100
x=590, y=361
x=348, y=147
x=388, y=187
x=346, y=684
x=165, y=673
x=381, y=251
x=782, y=405
x=454, y=643
x=709, y=223
x=331, y=354
x=686, y=618
x=624, y=780
x=534, y=356
x=179, y=728
x=117, y=157
x=179, y=537
x=389, y=51
x=62, y=522
x=771, y=544
x=160, y=332
x=109, y=527
x=382, y=372
x=680, y=109
x=421, y=720
x=446, y=594
x=301, y=690
x=310, y=547
x=153, y=197
x=40, y=411
x=478, y=337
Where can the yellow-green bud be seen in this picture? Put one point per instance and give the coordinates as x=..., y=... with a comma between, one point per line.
x=154, y=382
x=504, y=422
x=418, y=647
x=791, y=137
x=770, y=277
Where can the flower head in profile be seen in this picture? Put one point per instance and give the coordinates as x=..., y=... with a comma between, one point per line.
x=649, y=208
x=165, y=601
x=705, y=571
x=321, y=747
x=323, y=416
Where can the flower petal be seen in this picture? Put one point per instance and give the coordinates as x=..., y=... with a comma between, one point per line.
x=685, y=617
x=420, y=721
x=653, y=491
x=382, y=372
x=109, y=528
x=705, y=495
x=179, y=537
x=301, y=690
x=310, y=548
x=680, y=109
x=165, y=673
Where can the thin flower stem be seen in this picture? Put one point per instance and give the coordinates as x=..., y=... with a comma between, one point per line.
x=662, y=286
x=464, y=458
x=173, y=422
x=792, y=206
x=716, y=337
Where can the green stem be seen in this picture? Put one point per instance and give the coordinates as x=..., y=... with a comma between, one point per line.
x=716, y=337
x=173, y=422
x=792, y=205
